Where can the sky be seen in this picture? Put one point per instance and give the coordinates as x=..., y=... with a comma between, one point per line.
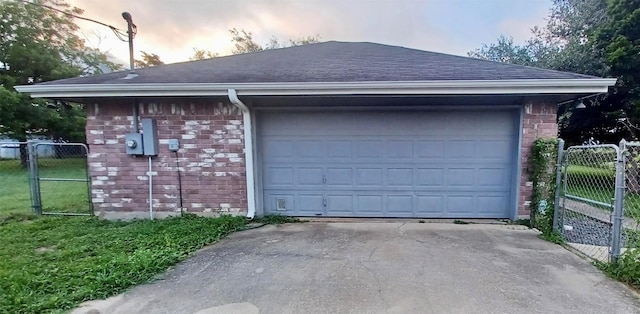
x=173, y=28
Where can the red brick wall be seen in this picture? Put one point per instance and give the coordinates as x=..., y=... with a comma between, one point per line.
x=211, y=159
x=539, y=121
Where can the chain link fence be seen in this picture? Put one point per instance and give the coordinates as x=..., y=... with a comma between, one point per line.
x=15, y=192
x=586, y=199
x=631, y=213
x=598, y=211
x=44, y=178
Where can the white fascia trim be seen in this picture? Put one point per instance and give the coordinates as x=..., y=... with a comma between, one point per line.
x=471, y=87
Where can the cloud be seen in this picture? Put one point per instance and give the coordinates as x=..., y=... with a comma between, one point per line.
x=172, y=28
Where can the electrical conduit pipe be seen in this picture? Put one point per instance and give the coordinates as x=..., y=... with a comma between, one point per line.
x=248, y=151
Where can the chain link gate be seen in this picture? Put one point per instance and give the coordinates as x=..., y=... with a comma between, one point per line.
x=61, y=184
x=586, y=199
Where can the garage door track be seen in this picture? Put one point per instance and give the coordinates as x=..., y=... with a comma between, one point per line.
x=379, y=268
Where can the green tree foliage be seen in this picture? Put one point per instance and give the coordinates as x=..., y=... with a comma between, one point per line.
x=593, y=37
x=243, y=42
x=38, y=44
x=619, y=40
x=148, y=60
x=201, y=54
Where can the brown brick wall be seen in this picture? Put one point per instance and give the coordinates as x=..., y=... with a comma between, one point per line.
x=211, y=159
x=539, y=121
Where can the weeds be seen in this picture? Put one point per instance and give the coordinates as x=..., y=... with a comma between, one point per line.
x=55, y=263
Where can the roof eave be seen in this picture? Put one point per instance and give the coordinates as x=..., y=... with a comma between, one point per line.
x=458, y=87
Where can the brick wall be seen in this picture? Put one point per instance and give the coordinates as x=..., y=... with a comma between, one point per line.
x=539, y=121
x=211, y=159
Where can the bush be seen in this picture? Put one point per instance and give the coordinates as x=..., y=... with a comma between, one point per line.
x=627, y=269
x=544, y=155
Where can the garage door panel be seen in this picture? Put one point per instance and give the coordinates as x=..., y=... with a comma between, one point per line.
x=309, y=150
x=340, y=204
x=369, y=204
x=491, y=204
x=369, y=177
x=280, y=176
x=433, y=204
x=390, y=164
x=339, y=177
x=279, y=149
x=492, y=177
x=430, y=177
x=460, y=149
x=339, y=149
x=430, y=149
x=400, y=177
x=494, y=149
x=367, y=149
x=310, y=176
x=398, y=150
x=311, y=202
x=460, y=204
x=460, y=176
x=400, y=203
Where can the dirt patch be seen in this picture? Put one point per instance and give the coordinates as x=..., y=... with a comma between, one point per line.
x=45, y=249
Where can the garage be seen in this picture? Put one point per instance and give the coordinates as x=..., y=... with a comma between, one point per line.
x=421, y=164
x=334, y=129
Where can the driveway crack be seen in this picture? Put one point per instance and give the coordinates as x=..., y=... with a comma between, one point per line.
x=378, y=284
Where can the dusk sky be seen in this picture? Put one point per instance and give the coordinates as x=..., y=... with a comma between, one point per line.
x=172, y=28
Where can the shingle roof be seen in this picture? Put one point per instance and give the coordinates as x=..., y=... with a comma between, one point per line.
x=329, y=62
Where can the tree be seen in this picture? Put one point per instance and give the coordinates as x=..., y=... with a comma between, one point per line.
x=243, y=42
x=567, y=43
x=201, y=54
x=148, y=60
x=619, y=40
x=504, y=50
x=38, y=44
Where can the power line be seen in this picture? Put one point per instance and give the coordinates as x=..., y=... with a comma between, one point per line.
x=121, y=34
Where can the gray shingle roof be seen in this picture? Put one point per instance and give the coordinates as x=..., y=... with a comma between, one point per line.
x=329, y=62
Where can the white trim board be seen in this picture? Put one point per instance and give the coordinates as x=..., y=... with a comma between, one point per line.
x=466, y=87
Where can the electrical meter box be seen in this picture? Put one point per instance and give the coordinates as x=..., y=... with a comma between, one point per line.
x=133, y=143
x=149, y=137
x=174, y=145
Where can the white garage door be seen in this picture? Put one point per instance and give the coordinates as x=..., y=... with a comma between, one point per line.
x=430, y=164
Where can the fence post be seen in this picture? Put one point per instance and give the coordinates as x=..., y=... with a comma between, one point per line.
x=34, y=184
x=556, y=202
x=618, y=202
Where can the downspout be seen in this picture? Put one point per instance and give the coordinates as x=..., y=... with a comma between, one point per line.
x=248, y=151
x=136, y=117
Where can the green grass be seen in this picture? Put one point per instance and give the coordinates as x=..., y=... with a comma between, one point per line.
x=49, y=264
x=277, y=219
x=597, y=183
x=56, y=196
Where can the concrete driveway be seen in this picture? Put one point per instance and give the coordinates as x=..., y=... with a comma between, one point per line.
x=379, y=268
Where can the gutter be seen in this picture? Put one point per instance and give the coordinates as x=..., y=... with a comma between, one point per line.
x=453, y=87
x=248, y=151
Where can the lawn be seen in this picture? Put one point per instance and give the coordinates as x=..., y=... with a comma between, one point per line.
x=598, y=184
x=51, y=264
x=56, y=196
